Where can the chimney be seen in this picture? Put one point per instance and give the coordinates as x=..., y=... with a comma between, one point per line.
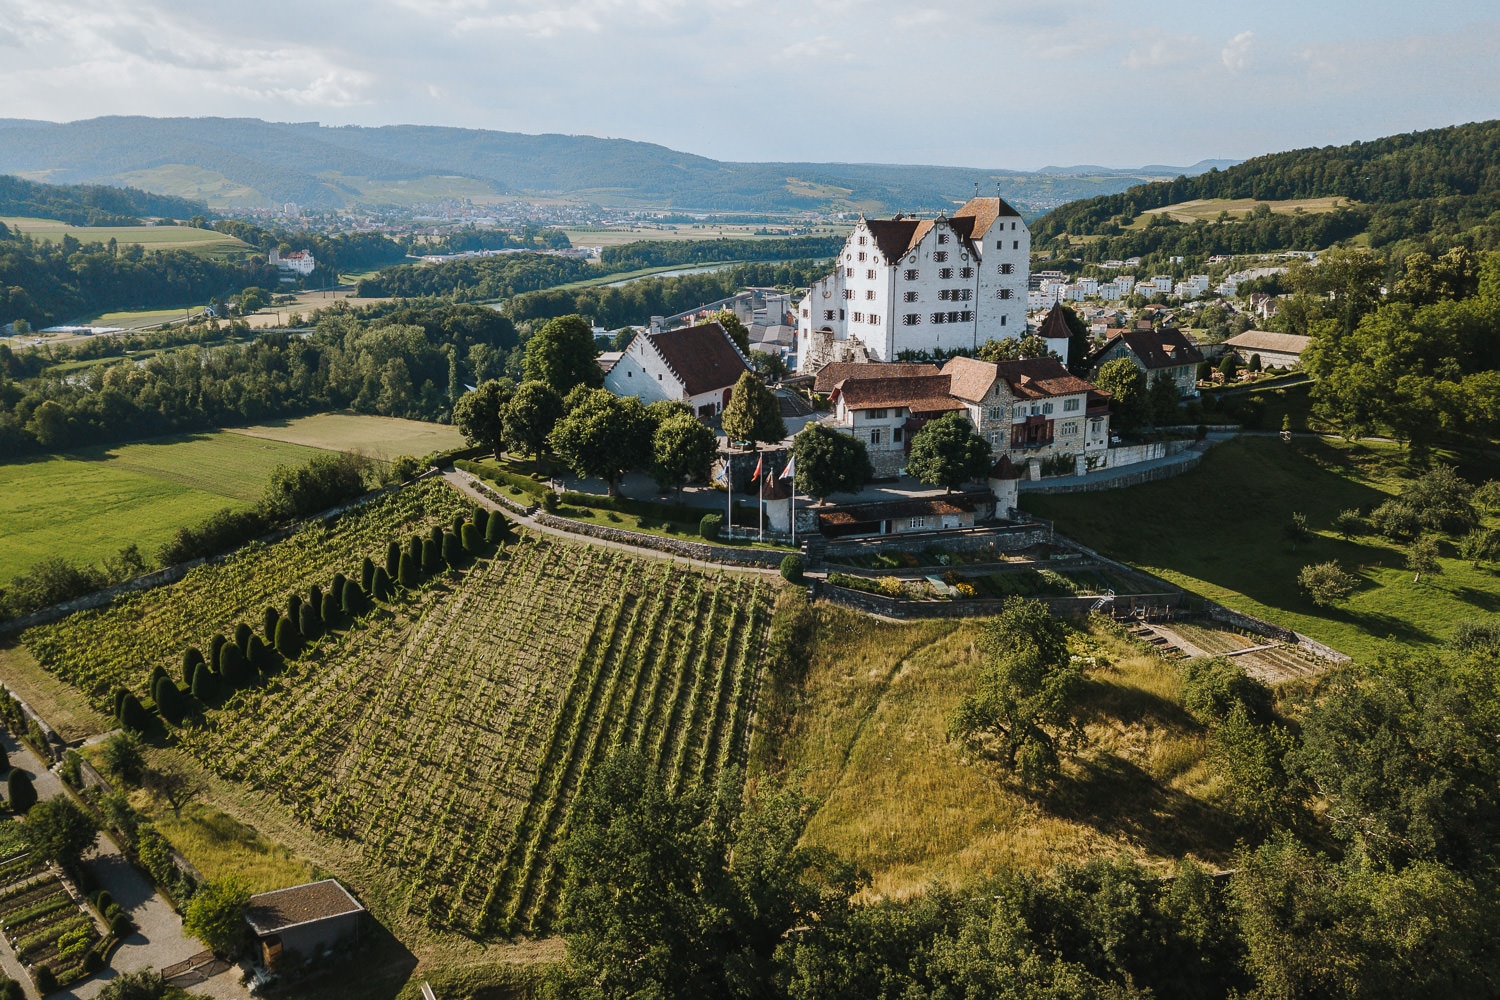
x=657, y=323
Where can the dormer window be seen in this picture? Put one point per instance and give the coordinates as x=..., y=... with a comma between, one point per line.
x=942, y=237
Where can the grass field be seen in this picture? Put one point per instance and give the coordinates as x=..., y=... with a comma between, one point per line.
x=590, y=236
x=1208, y=209
x=1217, y=531
x=869, y=740
x=85, y=505
x=200, y=241
x=378, y=437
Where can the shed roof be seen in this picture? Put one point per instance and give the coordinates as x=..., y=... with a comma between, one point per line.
x=274, y=912
x=704, y=358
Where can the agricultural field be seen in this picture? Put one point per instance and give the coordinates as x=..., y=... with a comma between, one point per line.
x=86, y=505
x=42, y=921
x=378, y=437
x=598, y=236
x=1218, y=532
x=479, y=703
x=1208, y=209
x=205, y=242
x=868, y=739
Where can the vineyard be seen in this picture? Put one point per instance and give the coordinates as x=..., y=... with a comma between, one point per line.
x=117, y=647
x=448, y=744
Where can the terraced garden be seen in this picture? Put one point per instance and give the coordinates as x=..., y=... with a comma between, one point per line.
x=46, y=927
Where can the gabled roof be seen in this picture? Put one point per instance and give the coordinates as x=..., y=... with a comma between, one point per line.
x=918, y=393
x=1055, y=326
x=1167, y=348
x=273, y=912
x=971, y=379
x=979, y=214
x=703, y=358
x=1037, y=378
x=893, y=237
x=608, y=360
x=1265, y=340
x=832, y=374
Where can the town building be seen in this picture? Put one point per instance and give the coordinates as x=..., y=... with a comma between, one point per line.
x=906, y=284
x=1276, y=350
x=1165, y=353
x=696, y=365
x=302, y=921
x=294, y=265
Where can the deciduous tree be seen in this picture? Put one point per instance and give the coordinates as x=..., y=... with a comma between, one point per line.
x=946, y=452
x=480, y=414
x=530, y=416
x=605, y=436
x=830, y=462
x=682, y=449
x=562, y=354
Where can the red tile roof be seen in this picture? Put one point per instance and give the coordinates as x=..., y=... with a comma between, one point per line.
x=1035, y=378
x=1165, y=348
x=838, y=371
x=1055, y=326
x=704, y=358
x=918, y=393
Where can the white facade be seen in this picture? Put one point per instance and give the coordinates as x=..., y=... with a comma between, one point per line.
x=920, y=285
x=300, y=263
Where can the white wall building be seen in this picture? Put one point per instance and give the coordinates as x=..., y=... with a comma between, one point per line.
x=920, y=284
x=696, y=365
x=299, y=262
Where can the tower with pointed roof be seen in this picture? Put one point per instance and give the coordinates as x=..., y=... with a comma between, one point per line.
x=906, y=284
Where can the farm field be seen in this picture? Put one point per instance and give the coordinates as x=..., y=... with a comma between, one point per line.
x=1233, y=550
x=86, y=505
x=378, y=437
x=479, y=703
x=200, y=241
x=612, y=237
x=1209, y=208
x=869, y=738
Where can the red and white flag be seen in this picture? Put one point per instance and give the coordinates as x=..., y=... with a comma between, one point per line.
x=759, y=465
x=791, y=468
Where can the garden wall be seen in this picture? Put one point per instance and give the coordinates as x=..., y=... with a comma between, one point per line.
x=1073, y=608
x=701, y=551
x=1001, y=537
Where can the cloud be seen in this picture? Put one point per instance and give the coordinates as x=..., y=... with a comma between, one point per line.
x=1236, y=54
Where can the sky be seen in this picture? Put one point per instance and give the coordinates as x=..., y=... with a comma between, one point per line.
x=998, y=84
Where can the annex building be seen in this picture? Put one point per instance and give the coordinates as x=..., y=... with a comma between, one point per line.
x=907, y=284
x=696, y=365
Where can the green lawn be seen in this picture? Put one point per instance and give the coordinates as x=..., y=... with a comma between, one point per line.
x=85, y=505
x=1218, y=532
x=199, y=241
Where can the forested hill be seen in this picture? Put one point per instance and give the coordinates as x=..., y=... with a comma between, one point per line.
x=244, y=162
x=90, y=204
x=1444, y=180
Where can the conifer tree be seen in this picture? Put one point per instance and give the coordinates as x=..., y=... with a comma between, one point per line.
x=436, y=536
x=235, y=669
x=356, y=605
x=190, y=659
x=294, y=607
x=157, y=673
x=257, y=655
x=271, y=617
x=216, y=649
x=242, y=635
x=411, y=572
x=309, y=622
x=132, y=715
x=169, y=701
x=432, y=559
x=494, y=531
x=414, y=548
x=481, y=519
x=205, y=685
x=457, y=524
x=315, y=598
x=381, y=588
x=20, y=791
x=367, y=575
x=332, y=608
x=288, y=640
x=453, y=551
x=392, y=559
x=471, y=539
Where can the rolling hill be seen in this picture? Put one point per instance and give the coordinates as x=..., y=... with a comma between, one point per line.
x=243, y=162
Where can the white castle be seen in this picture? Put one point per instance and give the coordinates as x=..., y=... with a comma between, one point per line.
x=919, y=284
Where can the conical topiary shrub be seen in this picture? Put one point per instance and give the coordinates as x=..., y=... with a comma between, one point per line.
x=432, y=557
x=258, y=655
x=494, y=530
x=435, y=535
x=367, y=575
x=216, y=649
x=337, y=590
x=414, y=548
x=157, y=673
x=333, y=610
x=20, y=791
x=190, y=659
x=481, y=519
x=294, y=607
x=169, y=701
x=270, y=618
x=356, y=604
x=472, y=540
x=309, y=623
x=242, y=636
x=457, y=524
x=206, y=685
x=234, y=669
x=132, y=715
x=411, y=572
x=453, y=552
x=288, y=639
x=392, y=559
x=315, y=598
x=381, y=588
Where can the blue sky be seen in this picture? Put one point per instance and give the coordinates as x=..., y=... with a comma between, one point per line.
x=1003, y=83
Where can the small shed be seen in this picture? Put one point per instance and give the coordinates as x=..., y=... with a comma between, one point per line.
x=304, y=920
x=1278, y=350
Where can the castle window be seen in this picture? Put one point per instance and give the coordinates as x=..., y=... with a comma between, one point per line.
x=953, y=317
x=940, y=255
x=848, y=293
x=848, y=272
x=942, y=295
x=828, y=314
x=910, y=274
x=858, y=317
x=997, y=413
x=945, y=274
x=870, y=273
x=967, y=316
x=967, y=272
x=1015, y=244
x=1071, y=404
x=919, y=521
x=1007, y=268
x=1003, y=293
x=875, y=318
x=1002, y=319
x=861, y=241
x=911, y=319
x=909, y=297
x=875, y=436
x=940, y=317
x=1047, y=407
x=875, y=415
x=870, y=294
x=896, y=434
x=942, y=237
x=861, y=255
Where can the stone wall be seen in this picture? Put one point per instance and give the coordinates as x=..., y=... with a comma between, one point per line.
x=1072, y=608
x=1256, y=626
x=1188, y=461
x=1004, y=538
x=701, y=551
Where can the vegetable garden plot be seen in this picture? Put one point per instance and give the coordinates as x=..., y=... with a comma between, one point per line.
x=446, y=742
x=117, y=646
x=41, y=920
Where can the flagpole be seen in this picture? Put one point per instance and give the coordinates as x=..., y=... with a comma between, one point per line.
x=729, y=487
x=761, y=482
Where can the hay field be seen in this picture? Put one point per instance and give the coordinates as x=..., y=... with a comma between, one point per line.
x=378, y=437
x=199, y=241
x=1238, y=208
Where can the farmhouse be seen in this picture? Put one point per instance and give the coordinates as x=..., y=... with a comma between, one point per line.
x=1165, y=353
x=303, y=920
x=696, y=365
x=1030, y=409
x=1276, y=350
x=906, y=284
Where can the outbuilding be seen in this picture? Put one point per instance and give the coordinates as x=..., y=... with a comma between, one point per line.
x=303, y=920
x=1276, y=350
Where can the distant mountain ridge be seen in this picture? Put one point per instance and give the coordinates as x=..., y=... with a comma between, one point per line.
x=230, y=162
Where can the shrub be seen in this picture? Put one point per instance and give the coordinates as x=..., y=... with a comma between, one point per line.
x=494, y=529
x=337, y=590
x=92, y=961
x=453, y=551
x=432, y=559
x=414, y=548
x=710, y=525
x=1396, y=520
x=294, y=607
x=288, y=641
x=242, y=635
x=309, y=623
x=259, y=655
x=1348, y=523
x=120, y=926
x=315, y=598
x=332, y=607
x=157, y=673
x=411, y=572
x=1327, y=583
x=791, y=569
x=205, y=685
x=481, y=519
x=44, y=978
x=234, y=669
x=392, y=559
x=216, y=649
x=1215, y=686
x=1478, y=637
x=169, y=701
x=102, y=900
x=549, y=502
x=4, y=761
x=404, y=468
x=435, y=535
x=20, y=791
x=355, y=604
x=191, y=658
x=456, y=525
x=269, y=618
x=381, y=588
x=367, y=575
x=132, y=716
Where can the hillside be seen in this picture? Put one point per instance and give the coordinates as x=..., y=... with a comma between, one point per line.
x=246, y=162
x=88, y=204
x=1440, y=181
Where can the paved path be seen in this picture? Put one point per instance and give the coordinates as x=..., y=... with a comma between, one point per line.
x=463, y=482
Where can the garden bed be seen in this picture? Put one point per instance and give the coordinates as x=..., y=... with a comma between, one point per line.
x=45, y=925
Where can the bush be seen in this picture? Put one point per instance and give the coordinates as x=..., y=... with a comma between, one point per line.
x=337, y=590
x=710, y=525
x=206, y=685
x=381, y=589
x=234, y=669
x=92, y=961
x=44, y=978
x=392, y=559
x=315, y=599
x=4, y=761
x=495, y=528
x=219, y=532
x=1215, y=686
x=288, y=640
x=216, y=650
x=157, y=673
x=191, y=658
x=471, y=539
x=326, y=481
x=169, y=701
x=549, y=502
x=414, y=549
x=791, y=569
x=269, y=618
x=102, y=900
x=481, y=519
x=435, y=536
x=1327, y=583
x=332, y=608
x=242, y=635
x=432, y=559
x=309, y=623
x=405, y=468
x=367, y=575
x=259, y=655
x=1396, y=520
x=120, y=926
x=356, y=605
x=132, y=715
x=294, y=607
x=411, y=572
x=453, y=551
x=20, y=791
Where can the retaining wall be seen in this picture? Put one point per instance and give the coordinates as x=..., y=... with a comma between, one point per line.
x=1002, y=537
x=1189, y=461
x=1074, y=608
x=702, y=551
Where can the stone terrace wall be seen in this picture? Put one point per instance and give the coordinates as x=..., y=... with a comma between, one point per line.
x=1004, y=537
x=701, y=551
x=1074, y=608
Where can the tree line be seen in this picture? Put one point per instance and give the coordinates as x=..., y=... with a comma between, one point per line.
x=89, y=204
